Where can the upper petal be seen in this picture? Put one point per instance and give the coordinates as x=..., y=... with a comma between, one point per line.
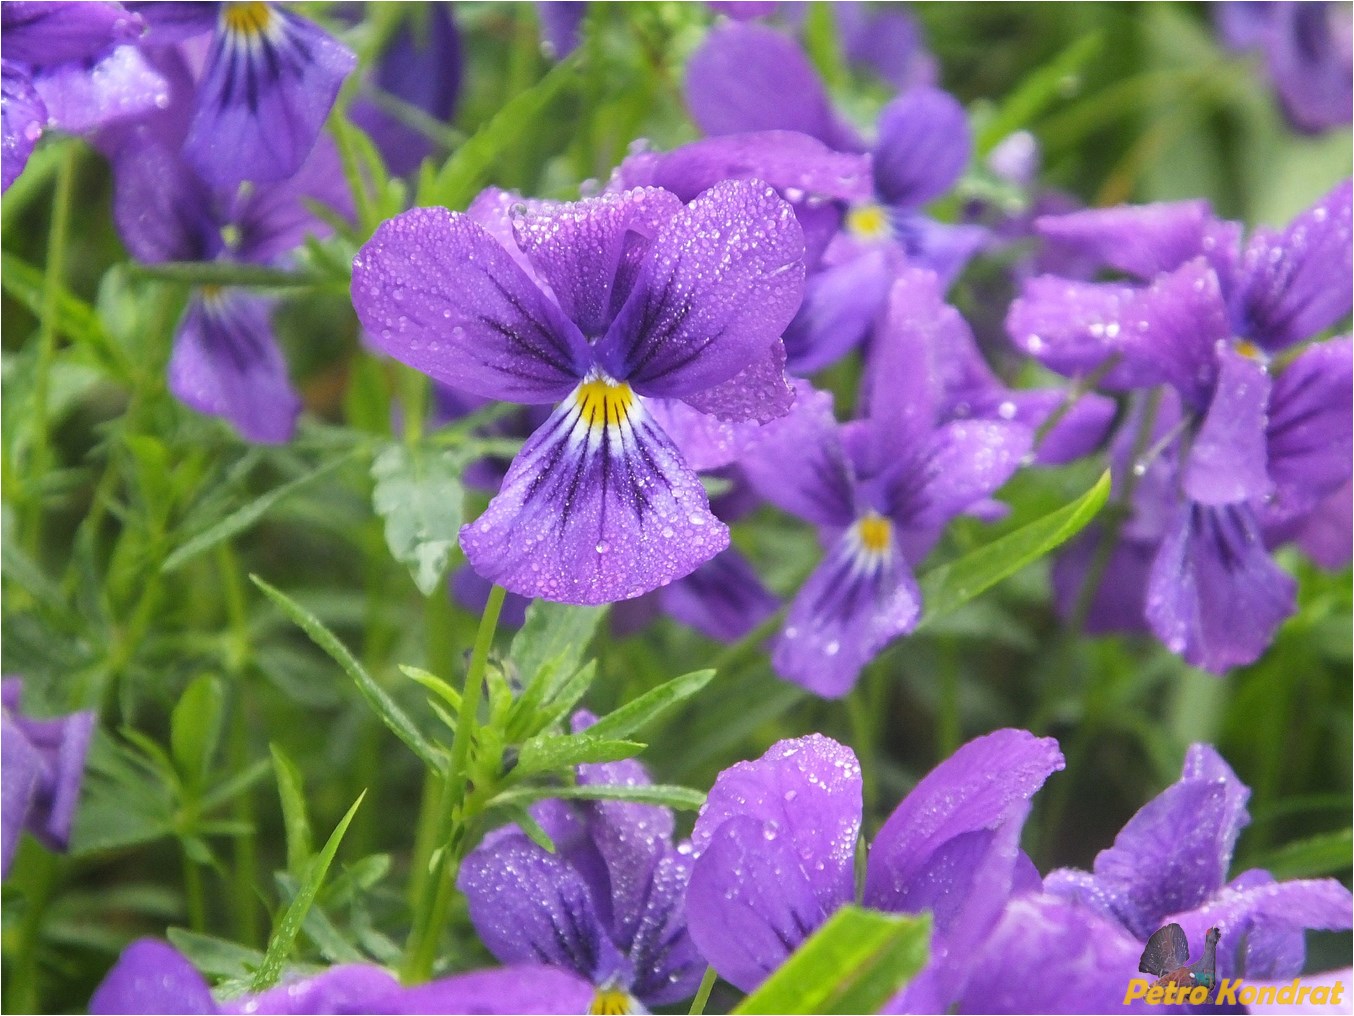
x=521, y=989
x=152, y=977
x=715, y=290
x=1228, y=459
x=348, y=988
x=22, y=116
x=43, y=34
x=22, y=773
x=924, y=144
x=1309, y=441
x=122, y=84
x=1143, y=240
x=435, y=291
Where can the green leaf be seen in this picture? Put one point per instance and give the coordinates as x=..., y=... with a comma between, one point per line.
x=291, y=790
x=434, y=684
x=1037, y=92
x=950, y=586
x=854, y=963
x=242, y=518
x=214, y=956
x=226, y=273
x=391, y=714
x=680, y=798
x=418, y=493
x=552, y=752
x=565, y=697
x=556, y=633
x=1323, y=854
x=195, y=728
x=637, y=714
x=280, y=945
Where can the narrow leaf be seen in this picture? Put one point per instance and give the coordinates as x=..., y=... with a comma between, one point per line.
x=1323, y=854
x=681, y=798
x=1037, y=92
x=950, y=586
x=854, y=963
x=418, y=493
x=295, y=821
x=195, y=728
x=637, y=714
x=552, y=752
x=391, y=714
x=553, y=633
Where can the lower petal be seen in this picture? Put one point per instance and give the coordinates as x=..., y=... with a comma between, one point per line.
x=597, y=507
x=723, y=598
x=22, y=116
x=1228, y=461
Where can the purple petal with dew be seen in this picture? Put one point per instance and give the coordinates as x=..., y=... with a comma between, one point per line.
x=936, y=840
x=1331, y=983
x=841, y=304
x=264, y=96
x=1298, y=282
x=434, y=290
x=1142, y=240
x=807, y=791
x=1074, y=327
x=349, y=988
x=889, y=41
x=758, y=393
x=419, y=69
x=857, y=601
x=800, y=167
x=1308, y=47
x=798, y=462
x=23, y=771
x=1214, y=595
x=22, y=116
x=227, y=363
x=714, y=292
x=1324, y=534
x=752, y=78
x=722, y=599
x=579, y=247
x=1174, y=853
x=1082, y=958
x=276, y=219
x=939, y=246
x=667, y=965
x=1309, y=434
x=529, y=906
x=152, y=977
x=46, y=34
x=594, y=510
x=519, y=990
x=750, y=901
x=80, y=98
x=170, y=21
x=493, y=210
x=561, y=24
x=1083, y=427
x=1262, y=922
x=1016, y=159
x=1172, y=331
x=924, y=144
x=1228, y=459
x=705, y=442
x=1117, y=602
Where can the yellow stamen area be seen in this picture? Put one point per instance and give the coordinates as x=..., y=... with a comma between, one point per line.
x=251, y=18
x=603, y=402
x=875, y=533
x=1249, y=349
x=610, y=1002
x=868, y=222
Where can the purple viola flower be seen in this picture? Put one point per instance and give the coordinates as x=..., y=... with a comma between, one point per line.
x=153, y=977
x=270, y=80
x=881, y=489
x=1170, y=864
x=607, y=904
x=1309, y=52
x=68, y=66
x=561, y=26
x=40, y=773
x=646, y=298
x=226, y=361
x=775, y=848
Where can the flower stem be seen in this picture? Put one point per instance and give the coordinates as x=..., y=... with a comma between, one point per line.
x=703, y=992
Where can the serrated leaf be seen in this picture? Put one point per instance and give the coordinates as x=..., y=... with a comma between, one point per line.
x=637, y=714
x=680, y=798
x=280, y=945
x=854, y=963
x=418, y=493
x=391, y=714
x=554, y=752
x=295, y=822
x=195, y=728
x=554, y=633
x=949, y=586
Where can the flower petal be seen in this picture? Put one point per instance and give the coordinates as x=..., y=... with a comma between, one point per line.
x=1228, y=461
x=841, y=305
x=226, y=363
x=1214, y=595
x=267, y=89
x=598, y=506
x=1074, y=327
x=715, y=290
x=722, y=599
x=1120, y=595
x=43, y=34
x=667, y=965
x=522, y=990
x=434, y=290
x=22, y=773
x=276, y=218
x=758, y=393
x=924, y=144
x=80, y=98
x=1309, y=434
x=152, y=977
x=1307, y=47
x=1142, y=240
x=351, y=987
x=22, y=116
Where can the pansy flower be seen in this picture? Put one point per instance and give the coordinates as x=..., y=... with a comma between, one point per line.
x=628, y=297
x=1170, y=863
x=606, y=905
x=881, y=489
x=270, y=80
x=776, y=842
x=40, y=774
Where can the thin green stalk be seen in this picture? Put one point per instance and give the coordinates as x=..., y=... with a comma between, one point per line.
x=245, y=871
x=195, y=894
x=948, y=725
x=21, y=981
x=51, y=291
x=703, y=992
x=422, y=945
x=863, y=732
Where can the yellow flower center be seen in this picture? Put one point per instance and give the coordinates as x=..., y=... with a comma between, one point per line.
x=610, y=1002
x=1249, y=349
x=603, y=402
x=251, y=18
x=875, y=533
x=868, y=222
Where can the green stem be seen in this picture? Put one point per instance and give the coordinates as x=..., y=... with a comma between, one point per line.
x=245, y=871
x=51, y=291
x=949, y=728
x=194, y=894
x=21, y=986
x=452, y=811
x=703, y=992
x=863, y=734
